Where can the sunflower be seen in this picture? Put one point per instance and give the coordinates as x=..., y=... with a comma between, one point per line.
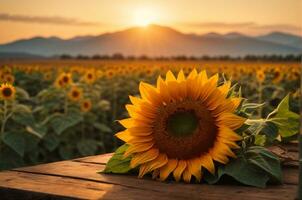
x=7, y=91
x=64, y=80
x=75, y=93
x=86, y=105
x=90, y=77
x=277, y=76
x=260, y=76
x=8, y=78
x=181, y=126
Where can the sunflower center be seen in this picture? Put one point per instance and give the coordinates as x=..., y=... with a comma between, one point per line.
x=75, y=93
x=184, y=130
x=182, y=123
x=7, y=92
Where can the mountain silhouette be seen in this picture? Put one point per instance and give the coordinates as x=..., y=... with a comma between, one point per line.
x=155, y=40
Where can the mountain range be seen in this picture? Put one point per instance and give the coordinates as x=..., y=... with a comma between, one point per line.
x=156, y=40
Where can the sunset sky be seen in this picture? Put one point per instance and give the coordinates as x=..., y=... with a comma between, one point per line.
x=69, y=18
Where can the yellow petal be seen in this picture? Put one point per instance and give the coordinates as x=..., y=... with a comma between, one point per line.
x=194, y=167
x=149, y=93
x=224, y=89
x=228, y=142
x=124, y=135
x=163, y=90
x=207, y=162
x=143, y=139
x=167, y=169
x=170, y=76
x=140, y=147
x=181, y=76
x=135, y=100
x=228, y=134
x=231, y=120
x=236, y=102
x=193, y=74
x=138, y=114
x=140, y=131
x=187, y=175
x=144, y=157
x=181, y=166
x=158, y=162
x=203, y=76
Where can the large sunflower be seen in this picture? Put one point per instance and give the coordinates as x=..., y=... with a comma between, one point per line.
x=181, y=126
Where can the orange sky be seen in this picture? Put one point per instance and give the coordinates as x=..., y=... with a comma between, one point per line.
x=68, y=18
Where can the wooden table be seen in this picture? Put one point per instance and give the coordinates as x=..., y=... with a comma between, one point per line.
x=79, y=179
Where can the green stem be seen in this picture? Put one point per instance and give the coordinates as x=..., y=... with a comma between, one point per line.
x=65, y=104
x=114, y=105
x=3, y=121
x=260, y=98
x=4, y=117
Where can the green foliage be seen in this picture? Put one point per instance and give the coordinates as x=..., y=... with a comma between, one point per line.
x=117, y=164
x=60, y=123
x=286, y=120
x=255, y=167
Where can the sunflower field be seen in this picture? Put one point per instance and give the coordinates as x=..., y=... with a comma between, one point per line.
x=53, y=111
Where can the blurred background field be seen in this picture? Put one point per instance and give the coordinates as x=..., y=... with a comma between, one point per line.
x=66, y=109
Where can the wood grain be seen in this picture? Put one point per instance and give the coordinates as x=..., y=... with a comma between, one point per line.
x=79, y=179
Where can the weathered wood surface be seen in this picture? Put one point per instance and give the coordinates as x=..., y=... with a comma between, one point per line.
x=79, y=179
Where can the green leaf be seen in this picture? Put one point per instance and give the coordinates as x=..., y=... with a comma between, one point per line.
x=117, y=164
x=260, y=140
x=51, y=141
x=25, y=119
x=286, y=120
x=21, y=93
x=61, y=122
x=102, y=127
x=87, y=147
x=255, y=167
x=15, y=141
x=267, y=161
x=241, y=171
x=21, y=108
x=270, y=130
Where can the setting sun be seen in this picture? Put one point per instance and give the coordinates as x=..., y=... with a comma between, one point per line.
x=144, y=17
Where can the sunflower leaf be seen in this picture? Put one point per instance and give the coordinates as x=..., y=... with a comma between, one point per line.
x=61, y=122
x=256, y=167
x=117, y=164
x=286, y=120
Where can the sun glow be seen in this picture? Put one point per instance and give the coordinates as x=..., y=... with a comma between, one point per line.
x=144, y=17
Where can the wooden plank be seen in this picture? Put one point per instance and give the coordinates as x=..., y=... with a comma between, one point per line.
x=35, y=185
x=89, y=171
x=290, y=174
x=20, y=185
x=99, y=159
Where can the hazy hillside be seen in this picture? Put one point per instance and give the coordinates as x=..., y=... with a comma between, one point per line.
x=159, y=41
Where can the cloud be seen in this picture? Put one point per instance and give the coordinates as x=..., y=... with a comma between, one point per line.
x=45, y=20
x=247, y=27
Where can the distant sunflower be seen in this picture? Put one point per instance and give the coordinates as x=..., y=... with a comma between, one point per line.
x=7, y=91
x=75, y=93
x=260, y=76
x=86, y=105
x=64, y=80
x=9, y=78
x=278, y=76
x=181, y=126
x=90, y=77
